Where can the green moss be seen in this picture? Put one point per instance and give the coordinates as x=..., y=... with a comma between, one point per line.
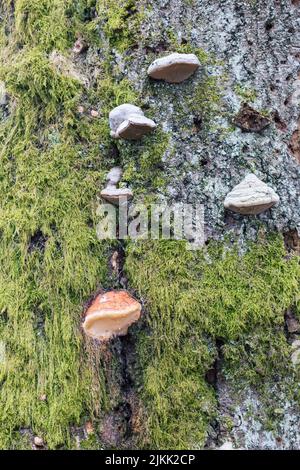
x=50, y=263
x=53, y=164
x=188, y=48
x=246, y=94
x=143, y=162
x=50, y=24
x=51, y=260
x=140, y=160
x=42, y=22
x=207, y=99
x=121, y=21
x=203, y=97
x=85, y=21
x=39, y=88
x=90, y=443
x=194, y=298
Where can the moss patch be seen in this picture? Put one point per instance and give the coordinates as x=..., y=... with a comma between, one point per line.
x=193, y=299
x=121, y=20
x=54, y=161
x=51, y=260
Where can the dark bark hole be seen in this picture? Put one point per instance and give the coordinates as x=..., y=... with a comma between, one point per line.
x=291, y=323
x=292, y=241
x=269, y=25
x=159, y=47
x=37, y=241
x=114, y=154
x=198, y=122
x=4, y=316
x=90, y=223
x=211, y=375
x=131, y=9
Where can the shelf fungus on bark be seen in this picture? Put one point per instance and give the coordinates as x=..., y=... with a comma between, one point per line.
x=80, y=46
x=113, y=194
x=129, y=122
x=251, y=197
x=111, y=314
x=250, y=120
x=174, y=68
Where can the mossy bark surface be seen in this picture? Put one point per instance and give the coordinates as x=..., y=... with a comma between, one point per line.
x=210, y=360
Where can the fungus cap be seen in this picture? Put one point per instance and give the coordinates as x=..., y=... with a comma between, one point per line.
x=121, y=113
x=129, y=122
x=135, y=127
x=174, y=68
x=252, y=196
x=80, y=46
x=111, y=314
x=116, y=195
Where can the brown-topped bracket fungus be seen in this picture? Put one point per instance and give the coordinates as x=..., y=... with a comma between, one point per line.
x=80, y=46
x=250, y=120
x=252, y=196
x=111, y=314
x=129, y=122
x=113, y=194
x=174, y=68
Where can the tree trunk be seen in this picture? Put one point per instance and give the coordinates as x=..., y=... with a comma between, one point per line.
x=215, y=357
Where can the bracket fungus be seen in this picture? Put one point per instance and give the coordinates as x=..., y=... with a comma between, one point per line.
x=174, y=68
x=252, y=196
x=80, y=46
x=250, y=120
x=111, y=314
x=113, y=194
x=129, y=122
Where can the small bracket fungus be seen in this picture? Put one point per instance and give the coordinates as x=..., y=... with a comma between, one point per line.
x=110, y=315
x=113, y=194
x=250, y=120
x=116, y=195
x=129, y=122
x=251, y=197
x=80, y=46
x=174, y=68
